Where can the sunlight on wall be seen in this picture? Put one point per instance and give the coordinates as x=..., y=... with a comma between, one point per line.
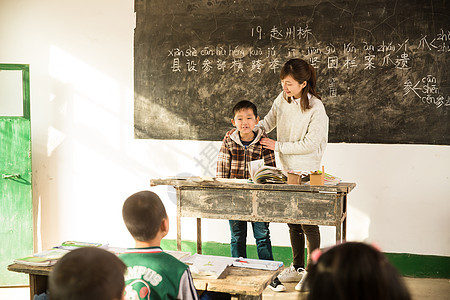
x=89, y=129
x=55, y=138
x=360, y=232
x=85, y=79
x=38, y=245
x=94, y=100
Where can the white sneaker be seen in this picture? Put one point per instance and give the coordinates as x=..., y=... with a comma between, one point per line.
x=291, y=274
x=299, y=285
x=277, y=286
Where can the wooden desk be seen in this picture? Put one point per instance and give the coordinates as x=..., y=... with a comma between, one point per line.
x=281, y=203
x=38, y=277
x=241, y=283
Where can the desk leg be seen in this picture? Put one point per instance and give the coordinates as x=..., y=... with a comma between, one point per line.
x=341, y=225
x=338, y=232
x=178, y=219
x=344, y=224
x=199, y=235
x=178, y=233
x=38, y=285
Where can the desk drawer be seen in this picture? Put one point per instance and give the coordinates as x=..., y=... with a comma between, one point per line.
x=262, y=205
x=301, y=207
x=217, y=204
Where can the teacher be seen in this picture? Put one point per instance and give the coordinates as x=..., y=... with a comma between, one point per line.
x=302, y=136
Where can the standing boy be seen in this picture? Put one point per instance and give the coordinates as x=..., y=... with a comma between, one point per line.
x=239, y=147
x=152, y=273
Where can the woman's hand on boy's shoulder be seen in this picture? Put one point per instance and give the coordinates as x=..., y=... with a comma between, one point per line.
x=268, y=143
x=230, y=132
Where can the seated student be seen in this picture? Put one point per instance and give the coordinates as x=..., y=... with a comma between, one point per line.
x=152, y=273
x=239, y=147
x=88, y=274
x=353, y=271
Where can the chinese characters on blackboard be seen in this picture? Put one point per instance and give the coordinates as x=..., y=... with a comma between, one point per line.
x=347, y=56
x=427, y=91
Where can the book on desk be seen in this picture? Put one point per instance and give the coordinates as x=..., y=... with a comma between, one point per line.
x=201, y=266
x=211, y=266
x=50, y=257
x=43, y=258
x=261, y=173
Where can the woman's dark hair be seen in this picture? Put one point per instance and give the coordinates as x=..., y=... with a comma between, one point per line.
x=301, y=71
x=354, y=271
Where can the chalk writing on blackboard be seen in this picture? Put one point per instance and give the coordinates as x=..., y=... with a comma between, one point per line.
x=393, y=54
x=332, y=87
x=427, y=91
x=396, y=55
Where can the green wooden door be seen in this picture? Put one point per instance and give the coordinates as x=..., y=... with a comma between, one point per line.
x=16, y=208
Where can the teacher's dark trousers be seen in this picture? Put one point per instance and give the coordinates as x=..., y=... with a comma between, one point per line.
x=297, y=234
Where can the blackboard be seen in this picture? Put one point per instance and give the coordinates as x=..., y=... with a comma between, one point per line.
x=382, y=66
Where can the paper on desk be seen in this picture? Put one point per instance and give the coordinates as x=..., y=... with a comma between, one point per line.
x=207, y=266
x=329, y=179
x=43, y=258
x=36, y=261
x=72, y=245
x=52, y=253
x=192, y=178
x=178, y=254
x=260, y=264
x=232, y=180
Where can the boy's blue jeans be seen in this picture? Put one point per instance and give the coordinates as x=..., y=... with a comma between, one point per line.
x=239, y=239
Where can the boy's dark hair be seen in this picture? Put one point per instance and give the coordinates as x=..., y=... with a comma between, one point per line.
x=244, y=104
x=354, y=271
x=88, y=274
x=143, y=213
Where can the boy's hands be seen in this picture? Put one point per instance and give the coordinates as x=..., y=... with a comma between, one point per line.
x=268, y=143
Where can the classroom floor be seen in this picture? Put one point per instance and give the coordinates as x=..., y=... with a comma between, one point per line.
x=420, y=288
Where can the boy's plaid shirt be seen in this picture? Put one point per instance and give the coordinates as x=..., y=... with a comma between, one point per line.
x=233, y=158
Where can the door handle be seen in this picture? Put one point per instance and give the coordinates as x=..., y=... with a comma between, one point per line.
x=11, y=176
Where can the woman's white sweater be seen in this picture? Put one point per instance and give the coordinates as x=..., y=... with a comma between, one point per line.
x=301, y=136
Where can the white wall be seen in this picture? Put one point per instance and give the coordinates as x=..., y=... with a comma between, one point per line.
x=86, y=161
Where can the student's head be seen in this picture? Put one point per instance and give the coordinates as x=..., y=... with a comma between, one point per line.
x=88, y=274
x=354, y=271
x=145, y=216
x=245, y=116
x=298, y=78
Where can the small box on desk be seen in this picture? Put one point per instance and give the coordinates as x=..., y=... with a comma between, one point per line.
x=294, y=178
x=317, y=178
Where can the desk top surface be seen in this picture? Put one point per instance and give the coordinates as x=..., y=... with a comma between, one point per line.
x=35, y=270
x=199, y=182
x=238, y=281
x=234, y=280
